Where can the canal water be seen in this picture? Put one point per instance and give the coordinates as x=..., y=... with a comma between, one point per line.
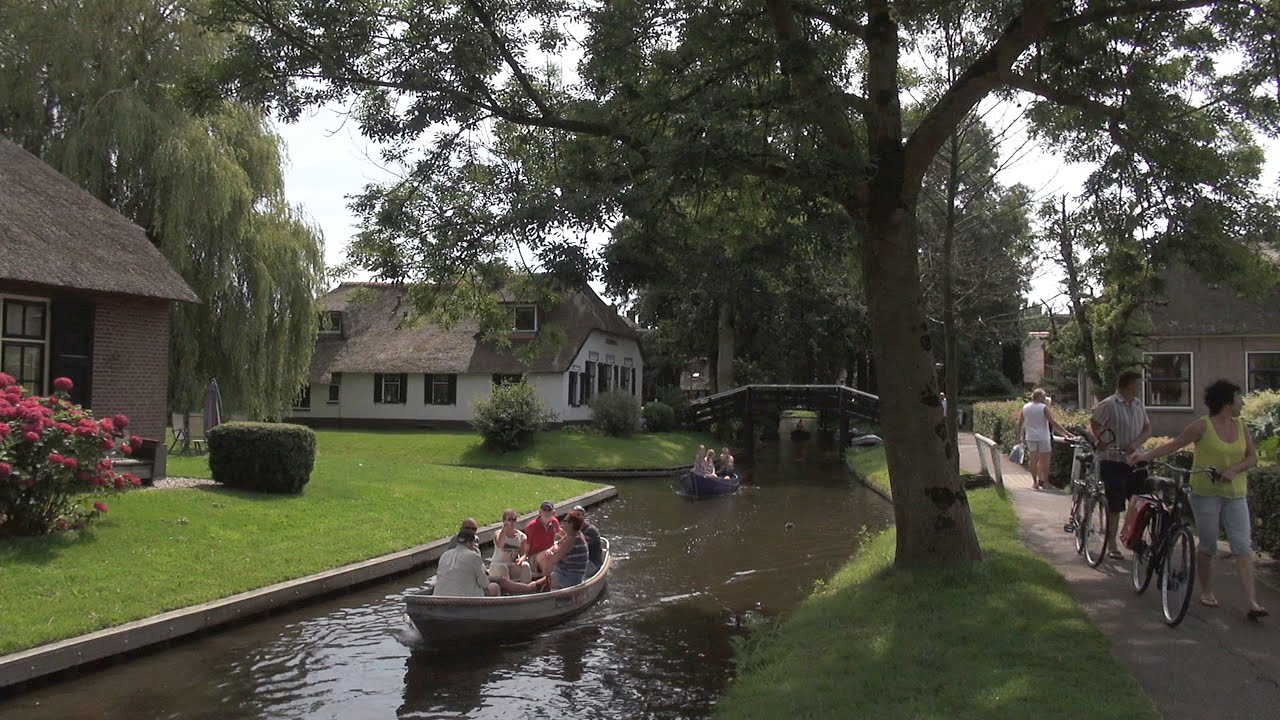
x=689, y=577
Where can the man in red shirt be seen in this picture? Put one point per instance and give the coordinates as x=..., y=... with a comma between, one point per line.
x=541, y=532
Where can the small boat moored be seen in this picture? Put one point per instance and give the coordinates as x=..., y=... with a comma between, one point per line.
x=444, y=619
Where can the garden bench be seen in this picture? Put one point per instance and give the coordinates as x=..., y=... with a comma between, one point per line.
x=147, y=461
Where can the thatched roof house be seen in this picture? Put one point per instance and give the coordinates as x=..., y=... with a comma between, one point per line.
x=85, y=295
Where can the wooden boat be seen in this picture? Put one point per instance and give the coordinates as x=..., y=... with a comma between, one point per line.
x=444, y=619
x=707, y=485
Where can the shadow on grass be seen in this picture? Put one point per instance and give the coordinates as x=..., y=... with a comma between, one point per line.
x=225, y=491
x=42, y=550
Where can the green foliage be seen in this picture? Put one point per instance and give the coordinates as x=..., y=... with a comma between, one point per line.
x=98, y=89
x=659, y=416
x=510, y=416
x=616, y=413
x=1264, y=505
x=1262, y=413
x=1269, y=450
x=998, y=421
x=262, y=457
x=679, y=403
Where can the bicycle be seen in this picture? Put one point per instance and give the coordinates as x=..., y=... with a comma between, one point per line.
x=1088, y=518
x=1166, y=547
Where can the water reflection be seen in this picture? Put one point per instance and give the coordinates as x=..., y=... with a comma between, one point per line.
x=688, y=577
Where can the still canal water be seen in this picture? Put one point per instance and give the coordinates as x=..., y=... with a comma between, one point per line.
x=688, y=577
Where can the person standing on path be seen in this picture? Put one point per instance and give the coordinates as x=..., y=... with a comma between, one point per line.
x=1034, y=425
x=1222, y=442
x=1123, y=414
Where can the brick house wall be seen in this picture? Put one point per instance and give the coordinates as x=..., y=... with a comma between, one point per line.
x=131, y=362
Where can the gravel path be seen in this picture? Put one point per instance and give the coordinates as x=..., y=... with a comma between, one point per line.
x=178, y=482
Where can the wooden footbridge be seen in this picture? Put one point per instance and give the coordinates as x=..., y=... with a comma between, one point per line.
x=751, y=402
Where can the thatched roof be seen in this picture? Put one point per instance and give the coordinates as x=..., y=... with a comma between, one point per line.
x=54, y=233
x=380, y=334
x=1189, y=306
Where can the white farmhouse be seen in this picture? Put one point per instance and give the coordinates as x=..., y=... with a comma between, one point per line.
x=375, y=366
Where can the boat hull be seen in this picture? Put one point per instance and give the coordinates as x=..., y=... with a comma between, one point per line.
x=445, y=619
x=704, y=486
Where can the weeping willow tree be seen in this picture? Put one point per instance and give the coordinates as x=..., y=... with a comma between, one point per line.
x=97, y=89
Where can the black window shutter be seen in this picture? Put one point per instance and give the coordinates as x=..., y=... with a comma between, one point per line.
x=573, y=378
x=453, y=389
x=428, y=383
x=377, y=388
x=633, y=381
x=404, y=388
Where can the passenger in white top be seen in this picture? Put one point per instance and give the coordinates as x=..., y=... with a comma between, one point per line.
x=461, y=572
x=1034, y=424
x=508, y=541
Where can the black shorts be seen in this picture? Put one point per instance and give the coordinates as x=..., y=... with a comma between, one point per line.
x=1121, y=480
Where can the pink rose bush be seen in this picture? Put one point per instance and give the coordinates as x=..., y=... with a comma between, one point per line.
x=53, y=453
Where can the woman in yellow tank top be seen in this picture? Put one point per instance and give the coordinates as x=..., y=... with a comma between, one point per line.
x=1222, y=442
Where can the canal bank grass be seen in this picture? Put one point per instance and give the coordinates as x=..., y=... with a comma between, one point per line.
x=553, y=449
x=160, y=550
x=1001, y=639
x=871, y=466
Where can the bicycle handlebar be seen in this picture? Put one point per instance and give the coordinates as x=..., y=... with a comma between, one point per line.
x=1213, y=472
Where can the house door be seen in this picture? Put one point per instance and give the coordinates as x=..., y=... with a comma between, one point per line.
x=71, y=347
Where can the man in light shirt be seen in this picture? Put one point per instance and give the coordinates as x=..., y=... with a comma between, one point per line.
x=1124, y=416
x=461, y=572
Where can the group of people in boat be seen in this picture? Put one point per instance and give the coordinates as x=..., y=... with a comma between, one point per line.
x=561, y=554
x=707, y=464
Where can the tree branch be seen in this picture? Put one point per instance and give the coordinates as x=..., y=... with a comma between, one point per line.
x=1060, y=96
x=1098, y=12
x=836, y=22
x=516, y=69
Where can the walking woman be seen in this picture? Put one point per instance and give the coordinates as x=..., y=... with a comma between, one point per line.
x=1222, y=442
x=1034, y=424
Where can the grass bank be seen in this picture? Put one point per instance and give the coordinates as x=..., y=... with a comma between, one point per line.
x=1002, y=639
x=550, y=449
x=871, y=466
x=159, y=550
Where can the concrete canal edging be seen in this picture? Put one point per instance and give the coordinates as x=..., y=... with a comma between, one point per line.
x=592, y=474
x=37, y=662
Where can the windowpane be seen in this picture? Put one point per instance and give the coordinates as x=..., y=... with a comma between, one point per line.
x=24, y=319
x=391, y=390
x=304, y=399
x=1264, y=371
x=526, y=318
x=25, y=362
x=1168, y=380
x=439, y=389
x=334, y=392
x=330, y=323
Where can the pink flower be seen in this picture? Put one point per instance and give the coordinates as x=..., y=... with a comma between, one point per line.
x=5, y=469
x=6, y=380
x=84, y=476
x=120, y=482
x=107, y=424
x=55, y=458
x=62, y=525
x=126, y=449
x=108, y=444
x=4, y=431
x=135, y=441
x=31, y=437
x=63, y=384
x=70, y=462
x=132, y=479
x=120, y=421
x=100, y=506
x=64, y=427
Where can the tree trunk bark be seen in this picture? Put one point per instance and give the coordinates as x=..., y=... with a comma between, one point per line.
x=952, y=381
x=1078, y=310
x=930, y=506
x=727, y=341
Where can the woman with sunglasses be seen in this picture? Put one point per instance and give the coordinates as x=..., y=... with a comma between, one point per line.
x=508, y=561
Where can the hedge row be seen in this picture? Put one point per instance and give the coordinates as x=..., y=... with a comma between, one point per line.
x=999, y=421
x=1264, y=505
x=263, y=457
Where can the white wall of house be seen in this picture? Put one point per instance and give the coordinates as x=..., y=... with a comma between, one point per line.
x=356, y=398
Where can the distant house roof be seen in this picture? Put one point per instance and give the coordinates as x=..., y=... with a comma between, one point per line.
x=52, y=232
x=380, y=335
x=1189, y=306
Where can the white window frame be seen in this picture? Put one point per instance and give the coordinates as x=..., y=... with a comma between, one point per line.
x=1247, y=377
x=436, y=379
x=335, y=383
x=515, y=313
x=44, y=343
x=386, y=380
x=1191, y=382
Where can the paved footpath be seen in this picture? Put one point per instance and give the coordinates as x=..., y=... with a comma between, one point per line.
x=1216, y=664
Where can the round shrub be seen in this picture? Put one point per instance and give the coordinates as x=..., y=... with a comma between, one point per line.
x=659, y=416
x=616, y=413
x=262, y=457
x=679, y=402
x=510, y=416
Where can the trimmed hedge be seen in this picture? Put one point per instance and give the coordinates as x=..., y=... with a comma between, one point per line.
x=510, y=416
x=616, y=413
x=1264, y=505
x=263, y=457
x=659, y=416
x=998, y=421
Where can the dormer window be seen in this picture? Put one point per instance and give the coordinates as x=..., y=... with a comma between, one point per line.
x=330, y=323
x=526, y=319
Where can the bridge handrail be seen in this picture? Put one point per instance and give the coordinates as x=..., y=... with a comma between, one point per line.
x=991, y=469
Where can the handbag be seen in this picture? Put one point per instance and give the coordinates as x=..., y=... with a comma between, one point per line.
x=1018, y=454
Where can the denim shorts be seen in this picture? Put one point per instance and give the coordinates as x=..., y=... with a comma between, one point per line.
x=1214, y=512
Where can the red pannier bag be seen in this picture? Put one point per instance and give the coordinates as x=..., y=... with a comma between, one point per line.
x=1135, y=520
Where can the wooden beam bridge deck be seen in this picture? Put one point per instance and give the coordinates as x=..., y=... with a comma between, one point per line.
x=748, y=402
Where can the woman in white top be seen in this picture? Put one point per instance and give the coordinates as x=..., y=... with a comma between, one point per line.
x=507, y=562
x=1034, y=424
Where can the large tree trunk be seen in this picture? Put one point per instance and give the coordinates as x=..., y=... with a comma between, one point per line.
x=1075, y=292
x=949, y=299
x=726, y=347
x=931, y=509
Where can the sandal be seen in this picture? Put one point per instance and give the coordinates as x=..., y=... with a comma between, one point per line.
x=1209, y=602
x=1115, y=554
x=1256, y=614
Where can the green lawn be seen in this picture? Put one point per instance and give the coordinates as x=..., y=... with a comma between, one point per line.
x=1002, y=639
x=871, y=466
x=551, y=449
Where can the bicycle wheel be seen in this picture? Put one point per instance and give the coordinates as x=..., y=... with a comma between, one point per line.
x=1095, y=530
x=1178, y=575
x=1144, y=560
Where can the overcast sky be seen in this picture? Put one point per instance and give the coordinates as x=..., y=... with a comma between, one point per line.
x=329, y=160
